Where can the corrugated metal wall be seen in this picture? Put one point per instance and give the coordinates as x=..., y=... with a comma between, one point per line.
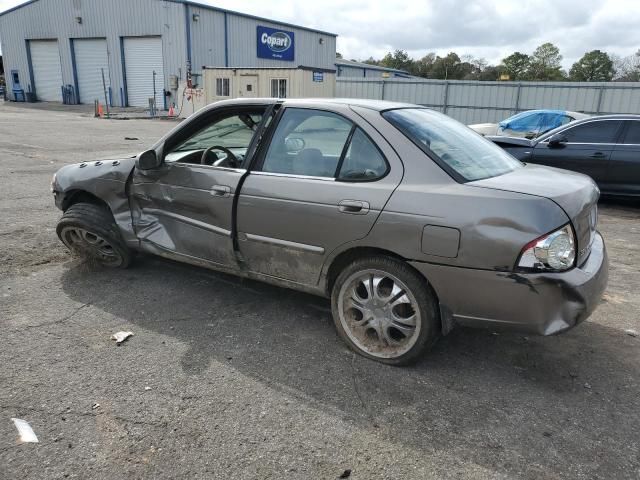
x=207, y=39
x=114, y=19
x=348, y=71
x=477, y=102
x=308, y=50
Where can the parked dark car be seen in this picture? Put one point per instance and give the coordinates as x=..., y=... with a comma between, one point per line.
x=607, y=148
x=409, y=221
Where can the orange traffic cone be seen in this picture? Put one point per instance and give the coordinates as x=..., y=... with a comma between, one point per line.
x=100, y=110
x=171, y=112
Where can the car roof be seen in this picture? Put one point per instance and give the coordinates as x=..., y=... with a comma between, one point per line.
x=555, y=111
x=378, y=105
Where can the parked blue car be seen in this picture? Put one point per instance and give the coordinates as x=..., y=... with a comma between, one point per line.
x=529, y=124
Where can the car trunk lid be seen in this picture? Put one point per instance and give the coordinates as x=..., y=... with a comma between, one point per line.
x=575, y=193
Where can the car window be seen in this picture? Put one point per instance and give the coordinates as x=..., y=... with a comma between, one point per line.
x=465, y=155
x=307, y=142
x=602, y=131
x=363, y=160
x=233, y=132
x=633, y=133
x=566, y=119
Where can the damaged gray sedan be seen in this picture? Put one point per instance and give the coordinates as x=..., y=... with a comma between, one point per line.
x=407, y=220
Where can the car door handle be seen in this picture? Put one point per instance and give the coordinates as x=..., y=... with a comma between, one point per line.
x=220, y=191
x=355, y=207
x=597, y=155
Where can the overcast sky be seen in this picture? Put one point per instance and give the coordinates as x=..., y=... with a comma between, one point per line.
x=484, y=28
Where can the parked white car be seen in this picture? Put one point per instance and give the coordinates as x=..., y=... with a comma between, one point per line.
x=529, y=124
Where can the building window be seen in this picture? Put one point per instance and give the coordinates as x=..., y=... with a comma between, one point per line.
x=279, y=87
x=222, y=87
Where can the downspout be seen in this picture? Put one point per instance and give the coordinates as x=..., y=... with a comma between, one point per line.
x=32, y=85
x=226, y=41
x=187, y=27
x=74, y=68
x=124, y=94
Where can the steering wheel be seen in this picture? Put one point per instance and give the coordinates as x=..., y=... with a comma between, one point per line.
x=229, y=161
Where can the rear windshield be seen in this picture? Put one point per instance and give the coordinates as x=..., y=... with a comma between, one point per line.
x=460, y=151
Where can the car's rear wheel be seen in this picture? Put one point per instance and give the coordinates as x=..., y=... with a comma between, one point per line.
x=90, y=231
x=385, y=310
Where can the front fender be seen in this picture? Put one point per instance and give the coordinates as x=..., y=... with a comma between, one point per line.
x=105, y=180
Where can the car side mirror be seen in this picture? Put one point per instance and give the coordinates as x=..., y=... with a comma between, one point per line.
x=294, y=145
x=148, y=160
x=557, y=140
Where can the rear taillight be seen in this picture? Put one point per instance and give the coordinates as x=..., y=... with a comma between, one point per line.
x=555, y=251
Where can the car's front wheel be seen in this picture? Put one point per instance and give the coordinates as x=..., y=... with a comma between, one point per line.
x=90, y=231
x=385, y=310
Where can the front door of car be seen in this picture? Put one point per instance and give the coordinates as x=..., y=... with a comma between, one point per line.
x=586, y=148
x=320, y=181
x=183, y=208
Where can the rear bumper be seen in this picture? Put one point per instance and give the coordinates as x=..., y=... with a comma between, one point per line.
x=537, y=303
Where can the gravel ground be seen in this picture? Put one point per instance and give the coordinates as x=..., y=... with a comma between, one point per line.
x=226, y=378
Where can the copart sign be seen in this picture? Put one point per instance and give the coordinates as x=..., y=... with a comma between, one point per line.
x=275, y=44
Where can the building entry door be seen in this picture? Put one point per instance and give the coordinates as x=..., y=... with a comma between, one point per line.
x=249, y=86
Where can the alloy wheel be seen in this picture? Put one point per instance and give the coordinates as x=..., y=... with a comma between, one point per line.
x=85, y=242
x=379, y=313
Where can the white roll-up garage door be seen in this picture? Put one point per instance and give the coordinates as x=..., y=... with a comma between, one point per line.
x=91, y=58
x=142, y=57
x=47, y=74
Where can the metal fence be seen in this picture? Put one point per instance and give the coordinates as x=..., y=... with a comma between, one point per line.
x=477, y=102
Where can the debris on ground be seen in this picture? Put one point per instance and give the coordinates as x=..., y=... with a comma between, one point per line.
x=120, y=337
x=27, y=434
x=95, y=406
x=631, y=333
x=131, y=138
x=587, y=386
x=147, y=388
x=346, y=473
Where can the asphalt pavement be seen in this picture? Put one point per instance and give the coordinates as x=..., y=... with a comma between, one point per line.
x=234, y=379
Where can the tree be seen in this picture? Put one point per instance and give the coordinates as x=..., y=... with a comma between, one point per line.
x=516, y=65
x=545, y=63
x=594, y=66
x=491, y=73
x=338, y=55
x=627, y=69
x=446, y=67
x=423, y=67
x=399, y=60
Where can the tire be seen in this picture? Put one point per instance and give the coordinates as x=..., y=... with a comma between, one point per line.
x=90, y=231
x=373, y=302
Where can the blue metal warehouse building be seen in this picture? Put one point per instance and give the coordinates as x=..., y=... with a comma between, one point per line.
x=59, y=48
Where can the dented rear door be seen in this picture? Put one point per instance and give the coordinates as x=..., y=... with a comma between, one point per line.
x=320, y=182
